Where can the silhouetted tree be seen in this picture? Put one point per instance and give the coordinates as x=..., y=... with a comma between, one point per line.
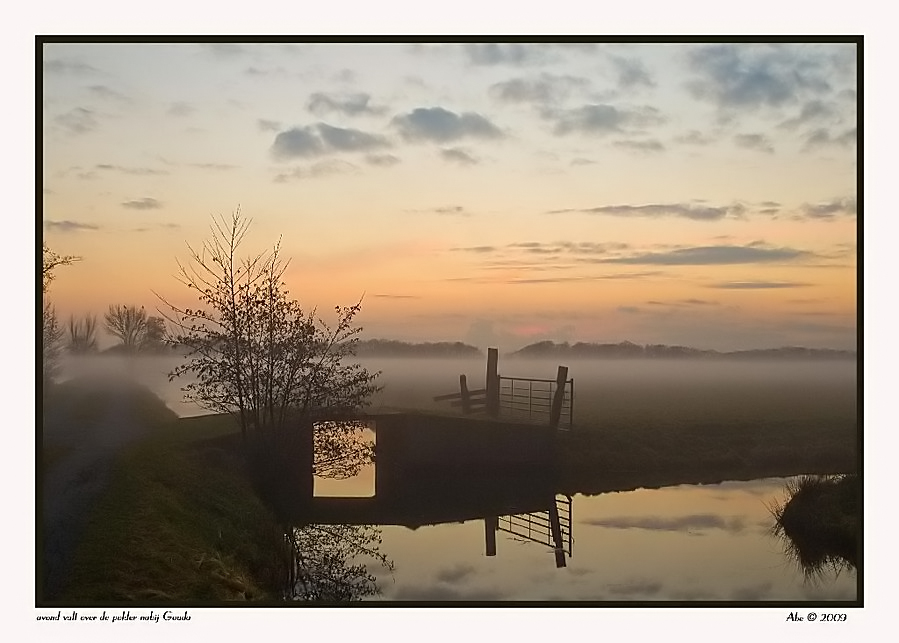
x=52, y=332
x=51, y=261
x=254, y=351
x=83, y=334
x=328, y=562
x=50, y=343
x=340, y=449
x=129, y=324
x=155, y=337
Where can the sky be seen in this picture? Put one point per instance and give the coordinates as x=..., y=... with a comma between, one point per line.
x=702, y=193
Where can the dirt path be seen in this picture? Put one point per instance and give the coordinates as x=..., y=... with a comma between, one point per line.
x=73, y=484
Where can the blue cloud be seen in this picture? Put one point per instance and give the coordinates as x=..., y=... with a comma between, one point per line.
x=442, y=125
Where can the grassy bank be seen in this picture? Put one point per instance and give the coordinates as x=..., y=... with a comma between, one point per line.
x=821, y=521
x=180, y=522
x=625, y=457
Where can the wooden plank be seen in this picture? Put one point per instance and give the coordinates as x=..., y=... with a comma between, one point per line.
x=458, y=396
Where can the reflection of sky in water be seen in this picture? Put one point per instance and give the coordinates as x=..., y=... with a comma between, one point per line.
x=678, y=543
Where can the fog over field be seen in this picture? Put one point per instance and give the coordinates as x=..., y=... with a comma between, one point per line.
x=665, y=393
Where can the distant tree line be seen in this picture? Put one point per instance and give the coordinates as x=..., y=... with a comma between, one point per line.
x=631, y=350
x=394, y=348
x=137, y=332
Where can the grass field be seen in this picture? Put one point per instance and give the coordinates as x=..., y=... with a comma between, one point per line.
x=662, y=394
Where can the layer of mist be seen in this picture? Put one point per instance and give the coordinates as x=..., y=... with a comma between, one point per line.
x=619, y=392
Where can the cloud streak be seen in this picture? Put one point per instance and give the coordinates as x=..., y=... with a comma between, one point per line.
x=347, y=104
x=146, y=203
x=656, y=210
x=458, y=156
x=317, y=170
x=506, y=54
x=631, y=73
x=755, y=76
x=545, y=89
x=69, y=226
x=841, y=207
x=758, y=285
x=712, y=256
x=691, y=522
x=134, y=171
x=321, y=139
x=442, y=125
x=78, y=120
x=61, y=66
x=758, y=142
x=602, y=119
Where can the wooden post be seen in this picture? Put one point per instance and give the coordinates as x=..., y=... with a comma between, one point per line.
x=491, y=524
x=559, y=397
x=463, y=389
x=492, y=382
x=556, y=527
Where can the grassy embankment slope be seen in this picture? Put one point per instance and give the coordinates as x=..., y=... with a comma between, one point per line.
x=178, y=521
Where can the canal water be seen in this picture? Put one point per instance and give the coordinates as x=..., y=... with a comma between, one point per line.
x=680, y=543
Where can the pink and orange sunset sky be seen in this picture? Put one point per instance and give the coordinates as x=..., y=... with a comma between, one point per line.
x=495, y=193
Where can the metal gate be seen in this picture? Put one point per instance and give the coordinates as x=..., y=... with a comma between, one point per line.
x=551, y=528
x=532, y=398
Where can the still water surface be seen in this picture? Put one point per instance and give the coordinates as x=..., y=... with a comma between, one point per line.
x=688, y=542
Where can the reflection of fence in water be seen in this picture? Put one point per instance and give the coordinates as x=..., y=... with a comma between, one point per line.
x=551, y=528
x=531, y=398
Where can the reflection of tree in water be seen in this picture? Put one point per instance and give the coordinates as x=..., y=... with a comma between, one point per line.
x=329, y=562
x=341, y=449
x=818, y=524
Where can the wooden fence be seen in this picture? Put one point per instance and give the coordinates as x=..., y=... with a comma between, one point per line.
x=545, y=400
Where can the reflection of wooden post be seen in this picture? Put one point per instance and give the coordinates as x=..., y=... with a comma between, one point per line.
x=463, y=389
x=556, y=527
x=492, y=382
x=559, y=397
x=491, y=524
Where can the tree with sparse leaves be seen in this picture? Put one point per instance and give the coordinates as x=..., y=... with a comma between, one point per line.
x=51, y=262
x=329, y=562
x=50, y=343
x=52, y=334
x=255, y=353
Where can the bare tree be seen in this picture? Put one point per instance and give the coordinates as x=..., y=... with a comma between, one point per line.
x=155, y=337
x=129, y=324
x=254, y=352
x=83, y=334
